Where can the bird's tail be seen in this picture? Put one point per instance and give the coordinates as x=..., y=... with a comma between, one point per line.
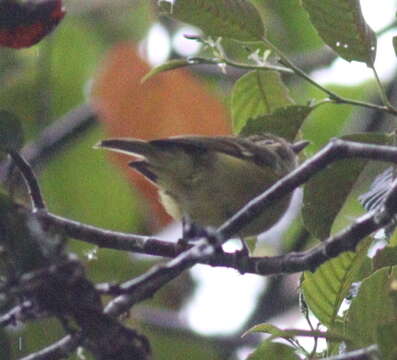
x=128, y=146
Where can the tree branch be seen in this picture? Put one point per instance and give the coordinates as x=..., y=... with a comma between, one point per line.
x=204, y=250
x=292, y=262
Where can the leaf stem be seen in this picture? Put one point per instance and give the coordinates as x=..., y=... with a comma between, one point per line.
x=382, y=91
x=286, y=62
x=230, y=62
x=332, y=95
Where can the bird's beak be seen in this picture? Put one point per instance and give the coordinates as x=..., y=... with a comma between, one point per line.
x=299, y=146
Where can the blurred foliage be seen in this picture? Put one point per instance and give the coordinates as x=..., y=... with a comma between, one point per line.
x=11, y=133
x=274, y=351
x=80, y=184
x=164, y=343
x=94, y=56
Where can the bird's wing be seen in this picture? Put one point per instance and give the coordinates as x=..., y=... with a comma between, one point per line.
x=230, y=145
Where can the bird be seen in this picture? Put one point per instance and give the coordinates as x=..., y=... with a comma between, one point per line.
x=207, y=179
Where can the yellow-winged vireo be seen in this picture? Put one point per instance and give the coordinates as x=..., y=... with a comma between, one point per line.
x=208, y=179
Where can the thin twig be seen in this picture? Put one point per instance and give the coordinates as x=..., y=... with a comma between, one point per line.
x=30, y=181
x=227, y=61
x=382, y=91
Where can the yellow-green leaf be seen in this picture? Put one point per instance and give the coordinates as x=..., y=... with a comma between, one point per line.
x=285, y=122
x=371, y=308
x=326, y=288
x=257, y=93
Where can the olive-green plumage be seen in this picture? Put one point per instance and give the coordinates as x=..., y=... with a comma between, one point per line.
x=208, y=179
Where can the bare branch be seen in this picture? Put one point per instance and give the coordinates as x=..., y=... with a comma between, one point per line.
x=144, y=286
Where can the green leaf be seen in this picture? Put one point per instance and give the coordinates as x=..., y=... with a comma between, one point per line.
x=11, y=134
x=268, y=329
x=256, y=94
x=371, y=308
x=386, y=336
x=170, y=65
x=326, y=288
x=323, y=199
x=236, y=19
x=291, y=19
x=273, y=351
x=341, y=25
x=285, y=122
x=385, y=257
x=292, y=333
